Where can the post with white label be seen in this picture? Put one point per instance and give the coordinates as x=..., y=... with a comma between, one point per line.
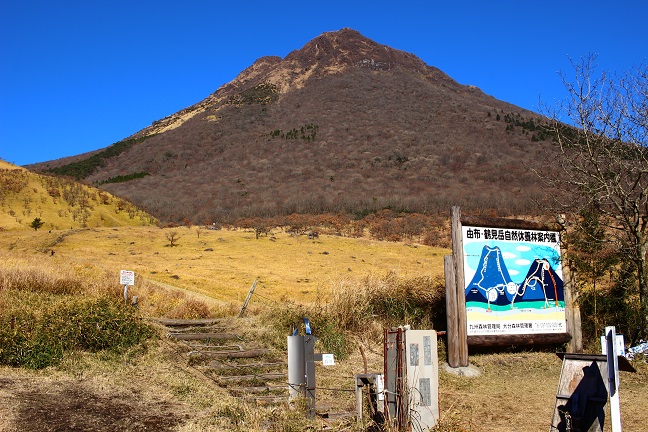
x=126, y=278
x=613, y=378
x=301, y=367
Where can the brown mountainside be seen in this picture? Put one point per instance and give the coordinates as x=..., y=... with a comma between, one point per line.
x=343, y=124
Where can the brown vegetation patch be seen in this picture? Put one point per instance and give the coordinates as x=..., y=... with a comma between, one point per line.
x=70, y=405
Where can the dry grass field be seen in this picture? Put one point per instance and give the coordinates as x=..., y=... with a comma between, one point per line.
x=223, y=264
x=157, y=389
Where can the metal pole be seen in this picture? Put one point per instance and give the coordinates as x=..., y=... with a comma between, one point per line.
x=613, y=378
x=296, y=367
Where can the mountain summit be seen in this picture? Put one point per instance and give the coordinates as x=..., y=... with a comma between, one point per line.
x=342, y=124
x=328, y=54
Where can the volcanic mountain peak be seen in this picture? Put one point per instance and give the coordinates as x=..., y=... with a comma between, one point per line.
x=330, y=53
x=342, y=124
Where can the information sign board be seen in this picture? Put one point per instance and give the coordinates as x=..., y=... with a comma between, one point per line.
x=126, y=277
x=514, y=282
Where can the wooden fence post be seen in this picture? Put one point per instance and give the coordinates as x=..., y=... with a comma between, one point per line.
x=247, y=299
x=572, y=311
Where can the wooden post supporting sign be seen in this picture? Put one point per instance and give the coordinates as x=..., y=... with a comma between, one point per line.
x=457, y=255
x=451, y=310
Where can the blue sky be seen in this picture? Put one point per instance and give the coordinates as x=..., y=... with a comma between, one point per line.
x=76, y=76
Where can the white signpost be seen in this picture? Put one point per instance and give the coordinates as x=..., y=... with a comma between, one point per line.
x=126, y=278
x=613, y=377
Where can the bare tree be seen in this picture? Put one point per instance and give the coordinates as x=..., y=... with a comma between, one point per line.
x=173, y=237
x=601, y=130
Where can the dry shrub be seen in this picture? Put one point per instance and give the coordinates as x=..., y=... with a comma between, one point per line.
x=388, y=301
x=190, y=309
x=363, y=308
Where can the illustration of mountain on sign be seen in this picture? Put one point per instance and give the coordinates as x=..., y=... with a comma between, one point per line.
x=514, y=281
x=492, y=284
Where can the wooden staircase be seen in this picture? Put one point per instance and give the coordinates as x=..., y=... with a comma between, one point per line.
x=245, y=368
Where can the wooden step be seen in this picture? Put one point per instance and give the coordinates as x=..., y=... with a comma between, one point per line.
x=217, y=365
x=257, y=390
x=213, y=347
x=183, y=322
x=251, y=353
x=261, y=376
x=200, y=329
x=267, y=399
x=210, y=351
x=203, y=336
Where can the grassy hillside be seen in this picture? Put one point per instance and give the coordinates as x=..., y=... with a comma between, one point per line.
x=222, y=264
x=59, y=203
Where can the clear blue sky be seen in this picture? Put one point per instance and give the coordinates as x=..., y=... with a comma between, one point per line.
x=80, y=75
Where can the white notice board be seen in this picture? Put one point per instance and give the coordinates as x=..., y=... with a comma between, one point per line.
x=126, y=277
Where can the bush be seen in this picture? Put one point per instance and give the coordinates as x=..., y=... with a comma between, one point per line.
x=39, y=338
x=363, y=308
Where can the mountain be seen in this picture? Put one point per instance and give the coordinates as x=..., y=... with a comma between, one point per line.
x=60, y=203
x=492, y=283
x=342, y=124
x=492, y=280
x=542, y=283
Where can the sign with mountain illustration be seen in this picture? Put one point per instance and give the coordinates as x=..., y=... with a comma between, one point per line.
x=514, y=282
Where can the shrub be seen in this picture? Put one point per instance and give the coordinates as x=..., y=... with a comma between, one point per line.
x=39, y=338
x=363, y=308
x=190, y=309
x=47, y=310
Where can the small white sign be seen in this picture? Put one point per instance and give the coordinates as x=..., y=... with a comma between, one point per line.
x=328, y=360
x=127, y=277
x=380, y=387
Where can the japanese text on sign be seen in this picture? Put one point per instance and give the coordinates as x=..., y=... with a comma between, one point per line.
x=511, y=235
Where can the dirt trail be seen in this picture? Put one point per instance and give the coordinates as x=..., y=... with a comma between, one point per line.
x=26, y=404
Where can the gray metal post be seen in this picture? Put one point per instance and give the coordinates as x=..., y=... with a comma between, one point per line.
x=296, y=367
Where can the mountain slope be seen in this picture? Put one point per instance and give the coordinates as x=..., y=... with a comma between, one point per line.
x=343, y=124
x=60, y=203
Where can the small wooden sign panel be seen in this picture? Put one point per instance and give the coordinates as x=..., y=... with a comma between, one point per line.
x=583, y=392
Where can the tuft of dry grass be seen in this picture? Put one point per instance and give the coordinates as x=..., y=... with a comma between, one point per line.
x=362, y=308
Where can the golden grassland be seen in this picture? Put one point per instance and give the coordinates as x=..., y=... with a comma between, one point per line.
x=60, y=203
x=210, y=272
x=222, y=264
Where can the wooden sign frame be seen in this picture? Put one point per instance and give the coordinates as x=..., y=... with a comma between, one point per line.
x=457, y=325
